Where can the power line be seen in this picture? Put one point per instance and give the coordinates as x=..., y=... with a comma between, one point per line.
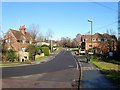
x=106, y=26
x=102, y=5
x=106, y=7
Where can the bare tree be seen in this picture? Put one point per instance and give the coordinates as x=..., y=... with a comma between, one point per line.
x=39, y=37
x=1, y=32
x=74, y=43
x=112, y=32
x=49, y=37
x=78, y=39
x=49, y=34
x=33, y=30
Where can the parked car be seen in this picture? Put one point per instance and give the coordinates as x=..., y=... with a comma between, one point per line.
x=82, y=51
x=90, y=52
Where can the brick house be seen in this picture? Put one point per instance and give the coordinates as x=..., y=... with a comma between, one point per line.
x=18, y=40
x=100, y=42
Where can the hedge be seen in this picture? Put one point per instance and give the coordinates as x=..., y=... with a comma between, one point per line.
x=46, y=51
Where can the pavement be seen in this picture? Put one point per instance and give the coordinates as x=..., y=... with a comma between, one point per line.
x=91, y=77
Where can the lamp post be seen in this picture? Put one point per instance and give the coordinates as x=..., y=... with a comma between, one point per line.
x=91, y=29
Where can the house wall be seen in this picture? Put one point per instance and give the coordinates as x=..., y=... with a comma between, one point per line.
x=93, y=45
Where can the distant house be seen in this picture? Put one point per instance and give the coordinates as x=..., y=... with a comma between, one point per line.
x=18, y=40
x=42, y=43
x=99, y=42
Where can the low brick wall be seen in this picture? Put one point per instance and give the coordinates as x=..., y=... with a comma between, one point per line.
x=41, y=55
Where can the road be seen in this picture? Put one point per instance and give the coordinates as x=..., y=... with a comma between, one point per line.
x=57, y=73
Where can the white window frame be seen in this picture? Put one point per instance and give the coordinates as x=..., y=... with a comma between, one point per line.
x=30, y=42
x=6, y=40
x=9, y=40
x=23, y=41
x=93, y=39
x=90, y=47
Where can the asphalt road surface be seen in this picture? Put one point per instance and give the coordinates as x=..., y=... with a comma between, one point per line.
x=57, y=73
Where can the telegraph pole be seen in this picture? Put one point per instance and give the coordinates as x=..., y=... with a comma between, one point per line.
x=91, y=28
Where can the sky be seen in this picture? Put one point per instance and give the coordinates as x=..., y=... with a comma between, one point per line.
x=64, y=19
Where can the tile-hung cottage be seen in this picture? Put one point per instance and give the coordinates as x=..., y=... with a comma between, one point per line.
x=18, y=40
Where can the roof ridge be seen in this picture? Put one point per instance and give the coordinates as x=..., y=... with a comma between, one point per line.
x=14, y=30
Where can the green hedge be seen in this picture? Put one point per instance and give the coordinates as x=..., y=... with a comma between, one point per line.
x=11, y=55
x=46, y=51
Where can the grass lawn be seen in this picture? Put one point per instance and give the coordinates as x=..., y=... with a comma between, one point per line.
x=110, y=69
x=40, y=58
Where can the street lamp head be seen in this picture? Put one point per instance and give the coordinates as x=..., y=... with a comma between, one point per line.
x=89, y=20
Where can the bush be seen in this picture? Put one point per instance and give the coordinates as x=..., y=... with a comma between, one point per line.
x=46, y=51
x=28, y=61
x=38, y=50
x=96, y=57
x=31, y=49
x=11, y=55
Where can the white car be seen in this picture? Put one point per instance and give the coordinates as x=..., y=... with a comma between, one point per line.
x=82, y=51
x=90, y=52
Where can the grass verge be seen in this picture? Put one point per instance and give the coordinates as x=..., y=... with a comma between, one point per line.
x=110, y=70
x=9, y=64
x=74, y=49
x=40, y=58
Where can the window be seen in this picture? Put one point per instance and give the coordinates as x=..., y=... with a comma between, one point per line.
x=18, y=40
x=30, y=42
x=105, y=39
x=90, y=46
x=9, y=48
x=99, y=39
x=93, y=39
x=23, y=41
x=9, y=41
x=27, y=41
x=6, y=41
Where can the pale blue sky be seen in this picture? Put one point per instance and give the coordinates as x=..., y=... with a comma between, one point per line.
x=64, y=19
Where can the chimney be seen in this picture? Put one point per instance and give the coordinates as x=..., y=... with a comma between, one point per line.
x=22, y=29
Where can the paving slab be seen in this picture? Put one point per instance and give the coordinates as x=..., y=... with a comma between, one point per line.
x=92, y=77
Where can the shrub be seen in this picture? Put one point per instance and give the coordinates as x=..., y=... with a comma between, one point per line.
x=31, y=50
x=46, y=51
x=11, y=55
x=37, y=50
x=28, y=61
